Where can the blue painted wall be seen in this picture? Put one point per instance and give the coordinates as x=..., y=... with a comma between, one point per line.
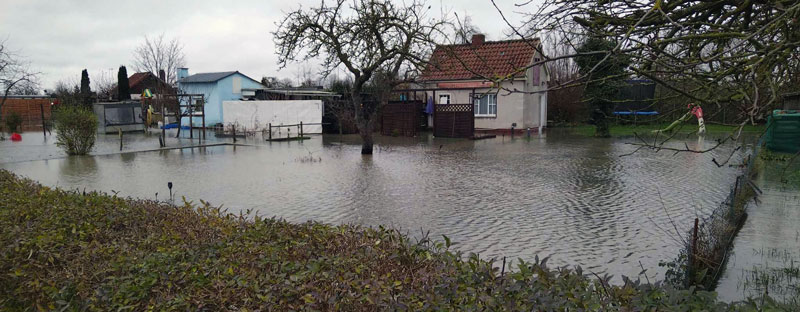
x=215, y=93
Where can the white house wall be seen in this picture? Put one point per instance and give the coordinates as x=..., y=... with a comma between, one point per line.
x=521, y=108
x=256, y=115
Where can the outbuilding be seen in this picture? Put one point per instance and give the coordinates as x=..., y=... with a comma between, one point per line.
x=216, y=88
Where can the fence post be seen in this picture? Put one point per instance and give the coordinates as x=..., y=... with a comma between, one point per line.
x=694, y=242
x=270, y=131
x=44, y=128
x=301, y=130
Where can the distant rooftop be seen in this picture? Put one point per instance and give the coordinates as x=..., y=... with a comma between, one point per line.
x=207, y=77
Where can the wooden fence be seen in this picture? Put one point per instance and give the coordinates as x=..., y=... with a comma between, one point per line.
x=454, y=120
x=32, y=110
x=400, y=118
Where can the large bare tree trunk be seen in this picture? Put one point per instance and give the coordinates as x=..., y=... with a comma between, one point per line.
x=366, y=138
x=363, y=121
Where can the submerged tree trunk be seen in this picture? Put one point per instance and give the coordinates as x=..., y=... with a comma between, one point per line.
x=366, y=140
x=600, y=114
x=363, y=121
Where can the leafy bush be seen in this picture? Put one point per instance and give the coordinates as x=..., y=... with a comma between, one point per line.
x=76, y=129
x=63, y=250
x=13, y=121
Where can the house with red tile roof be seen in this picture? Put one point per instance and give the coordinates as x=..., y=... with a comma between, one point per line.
x=147, y=80
x=467, y=73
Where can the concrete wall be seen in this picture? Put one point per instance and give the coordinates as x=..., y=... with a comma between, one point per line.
x=256, y=115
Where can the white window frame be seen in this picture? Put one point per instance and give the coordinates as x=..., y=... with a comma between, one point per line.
x=449, y=98
x=489, y=104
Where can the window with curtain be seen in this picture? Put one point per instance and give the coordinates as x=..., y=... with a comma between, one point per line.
x=486, y=105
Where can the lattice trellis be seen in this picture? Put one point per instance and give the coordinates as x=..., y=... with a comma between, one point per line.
x=454, y=107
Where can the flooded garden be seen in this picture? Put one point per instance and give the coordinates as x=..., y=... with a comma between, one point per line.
x=571, y=198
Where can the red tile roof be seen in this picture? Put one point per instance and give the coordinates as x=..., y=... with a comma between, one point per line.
x=137, y=78
x=490, y=59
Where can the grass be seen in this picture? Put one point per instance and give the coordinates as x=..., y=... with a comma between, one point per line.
x=781, y=282
x=687, y=128
x=71, y=251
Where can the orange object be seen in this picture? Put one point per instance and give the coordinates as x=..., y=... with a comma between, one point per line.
x=16, y=137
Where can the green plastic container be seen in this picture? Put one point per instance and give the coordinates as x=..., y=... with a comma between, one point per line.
x=783, y=131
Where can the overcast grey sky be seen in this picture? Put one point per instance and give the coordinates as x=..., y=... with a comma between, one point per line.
x=60, y=38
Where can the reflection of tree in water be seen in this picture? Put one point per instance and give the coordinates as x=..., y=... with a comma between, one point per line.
x=593, y=178
x=128, y=158
x=75, y=168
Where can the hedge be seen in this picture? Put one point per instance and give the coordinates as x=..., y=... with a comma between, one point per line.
x=92, y=251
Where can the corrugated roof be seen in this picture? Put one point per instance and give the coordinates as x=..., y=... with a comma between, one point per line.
x=490, y=59
x=207, y=77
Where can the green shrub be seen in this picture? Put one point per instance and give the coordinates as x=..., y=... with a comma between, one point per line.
x=13, y=121
x=76, y=129
x=63, y=250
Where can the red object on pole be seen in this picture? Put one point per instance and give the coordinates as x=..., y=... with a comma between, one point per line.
x=696, y=110
x=16, y=137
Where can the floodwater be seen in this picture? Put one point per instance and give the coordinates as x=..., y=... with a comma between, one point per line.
x=568, y=197
x=766, y=252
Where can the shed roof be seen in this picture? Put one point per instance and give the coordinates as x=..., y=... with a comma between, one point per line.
x=489, y=59
x=207, y=77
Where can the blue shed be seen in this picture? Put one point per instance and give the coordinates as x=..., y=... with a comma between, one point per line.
x=216, y=88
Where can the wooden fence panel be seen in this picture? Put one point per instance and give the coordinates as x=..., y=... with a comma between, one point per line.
x=454, y=120
x=30, y=109
x=400, y=118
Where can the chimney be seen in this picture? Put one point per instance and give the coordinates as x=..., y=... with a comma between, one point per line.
x=183, y=72
x=162, y=75
x=478, y=39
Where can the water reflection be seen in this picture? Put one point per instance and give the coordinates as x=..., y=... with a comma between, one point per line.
x=568, y=197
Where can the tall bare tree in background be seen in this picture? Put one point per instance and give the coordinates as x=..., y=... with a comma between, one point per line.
x=464, y=29
x=16, y=76
x=160, y=53
x=105, y=85
x=366, y=37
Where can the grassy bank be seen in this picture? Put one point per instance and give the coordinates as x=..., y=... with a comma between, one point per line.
x=687, y=128
x=72, y=251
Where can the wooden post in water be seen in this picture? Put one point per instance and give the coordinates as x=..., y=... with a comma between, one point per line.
x=270, y=131
x=120, y=138
x=694, y=241
x=234, y=132
x=301, y=130
x=44, y=127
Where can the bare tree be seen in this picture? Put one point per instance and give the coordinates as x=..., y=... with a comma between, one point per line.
x=276, y=83
x=15, y=73
x=105, y=85
x=464, y=29
x=67, y=92
x=365, y=37
x=707, y=52
x=159, y=53
x=25, y=88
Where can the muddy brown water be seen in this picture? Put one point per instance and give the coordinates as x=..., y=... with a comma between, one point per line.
x=568, y=197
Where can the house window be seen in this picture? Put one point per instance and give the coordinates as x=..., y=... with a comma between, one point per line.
x=486, y=105
x=444, y=99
